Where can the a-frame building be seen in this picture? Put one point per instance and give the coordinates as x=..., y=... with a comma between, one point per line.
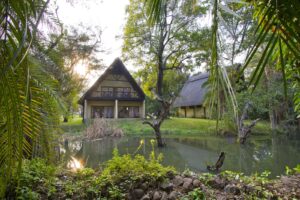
x=114, y=95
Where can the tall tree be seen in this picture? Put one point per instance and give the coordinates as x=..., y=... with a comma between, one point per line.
x=72, y=48
x=169, y=45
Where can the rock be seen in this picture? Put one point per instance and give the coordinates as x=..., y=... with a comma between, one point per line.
x=138, y=193
x=146, y=197
x=248, y=189
x=217, y=183
x=187, y=184
x=232, y=189
x=196, y=183
x=164, y=196
x=168, y=187
x=189, y=180
x=156, y=195
x=177, y=181
x=173, y=195
x=144, y=186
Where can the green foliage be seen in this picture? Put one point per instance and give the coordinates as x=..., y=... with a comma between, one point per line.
x=61, y=56
x=196, y=194
x=85, y=172
x=206, y=177
x=37, y=177
x=134, y=168
x=28, y=102
x=295, y=170
x=74, y=126
x=172, y=47
x=126, y=171
x=40, y=180
x=115, y=193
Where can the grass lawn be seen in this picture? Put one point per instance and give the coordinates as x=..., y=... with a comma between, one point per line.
x=74, y=127
x=181, y=126
x=172, y=126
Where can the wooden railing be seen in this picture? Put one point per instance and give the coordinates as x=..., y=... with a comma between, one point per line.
x=115, y=94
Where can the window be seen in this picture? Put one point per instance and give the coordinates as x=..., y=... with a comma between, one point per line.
x=107, y=91
x=102, y=112
x=129, y=112
x=123, y=91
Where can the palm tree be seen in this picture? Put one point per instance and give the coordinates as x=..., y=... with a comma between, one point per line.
x=27, y=101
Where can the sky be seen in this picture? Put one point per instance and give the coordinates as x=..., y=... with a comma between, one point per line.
x=109, y=15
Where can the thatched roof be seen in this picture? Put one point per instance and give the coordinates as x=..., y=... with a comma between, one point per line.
x=193, y=91
x=117, y=67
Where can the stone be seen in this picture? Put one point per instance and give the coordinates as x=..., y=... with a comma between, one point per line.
x=138, y=193
x=144, y=186
x=173, y=195
x=177, y=181
x=164, y=196
x=187, y=184
x=196, y=183
x=156, y=195
x=146, y=197
x=248, y=189
x=189, y=180
x=217, y=183
x=232, y=189
x=168, y=187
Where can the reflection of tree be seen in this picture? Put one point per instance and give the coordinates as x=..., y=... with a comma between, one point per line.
x=258, y=155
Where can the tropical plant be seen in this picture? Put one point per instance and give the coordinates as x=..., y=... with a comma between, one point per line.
x=28, y=102
x=277, y=36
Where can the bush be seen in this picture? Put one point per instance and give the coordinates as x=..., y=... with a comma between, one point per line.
x=100, y=128
x=128, y=172
x=37, y=177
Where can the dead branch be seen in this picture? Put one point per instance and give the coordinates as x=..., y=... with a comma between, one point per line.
x=218, y=164
x=244, y=130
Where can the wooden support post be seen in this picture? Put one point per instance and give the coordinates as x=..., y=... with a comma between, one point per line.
x=116, y=109
x=143, y=110
x=85, y=116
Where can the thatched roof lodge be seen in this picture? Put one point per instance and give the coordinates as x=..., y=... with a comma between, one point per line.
x=191, y=97
x=114, y=95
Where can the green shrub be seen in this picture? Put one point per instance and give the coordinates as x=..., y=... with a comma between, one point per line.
x=36, y=177
x=128, y=171
x=196, y=194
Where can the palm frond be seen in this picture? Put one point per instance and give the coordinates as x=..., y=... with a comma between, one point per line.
x=278, y=39
x=23, y=93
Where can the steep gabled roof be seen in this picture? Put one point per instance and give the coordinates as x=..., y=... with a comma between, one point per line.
x=117, y=67
x=193, y=92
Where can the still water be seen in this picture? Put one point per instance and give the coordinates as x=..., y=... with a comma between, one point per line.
x=258, y=155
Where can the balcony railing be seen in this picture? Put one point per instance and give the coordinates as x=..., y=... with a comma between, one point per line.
x=115, y=94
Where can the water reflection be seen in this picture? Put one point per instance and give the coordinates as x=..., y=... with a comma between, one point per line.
x=257, y=155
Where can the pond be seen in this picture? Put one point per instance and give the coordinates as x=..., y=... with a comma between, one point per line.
x=258, y=155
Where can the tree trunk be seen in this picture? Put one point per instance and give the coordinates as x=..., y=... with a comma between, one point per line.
x=273, y=121
x=159, y=83
x=244, y=130
x=66, y=119
x=159, y=140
